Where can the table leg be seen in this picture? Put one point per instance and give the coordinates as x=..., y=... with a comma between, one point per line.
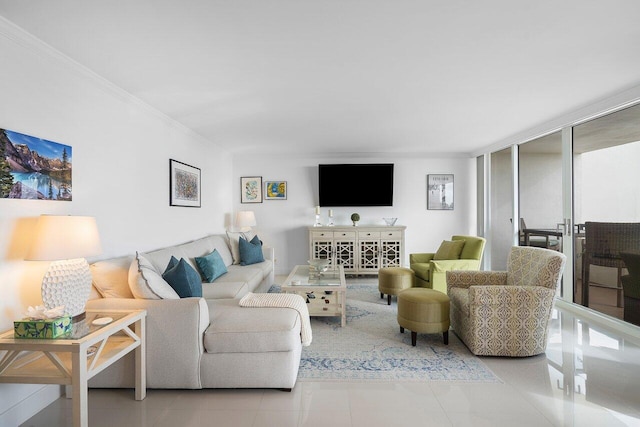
x=141, y=360
x=79, y=388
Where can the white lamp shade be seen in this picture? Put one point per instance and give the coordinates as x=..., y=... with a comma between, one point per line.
x=64, y=237
x=65, y=240
x=245, y=219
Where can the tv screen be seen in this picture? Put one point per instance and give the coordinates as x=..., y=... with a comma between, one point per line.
x=369, y=184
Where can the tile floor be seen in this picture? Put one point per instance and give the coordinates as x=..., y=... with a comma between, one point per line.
x=589, y=376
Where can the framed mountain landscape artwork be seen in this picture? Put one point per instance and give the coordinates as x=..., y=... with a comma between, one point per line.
x=34, y=168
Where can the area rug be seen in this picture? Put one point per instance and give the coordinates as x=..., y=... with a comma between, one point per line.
x=371, y=347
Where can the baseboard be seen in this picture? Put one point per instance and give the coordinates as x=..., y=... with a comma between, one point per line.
x=42, y=396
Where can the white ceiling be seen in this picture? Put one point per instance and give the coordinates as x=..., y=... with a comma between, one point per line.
x=347, y=76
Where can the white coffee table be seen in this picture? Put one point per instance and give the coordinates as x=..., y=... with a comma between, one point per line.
x=325, y=295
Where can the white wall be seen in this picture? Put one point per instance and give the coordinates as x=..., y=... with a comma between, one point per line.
x=121, y=151
x=283, y=224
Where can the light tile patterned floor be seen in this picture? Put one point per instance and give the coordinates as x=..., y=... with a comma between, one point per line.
x=589, y=376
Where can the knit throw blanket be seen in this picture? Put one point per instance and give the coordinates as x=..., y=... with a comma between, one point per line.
x=293, y=301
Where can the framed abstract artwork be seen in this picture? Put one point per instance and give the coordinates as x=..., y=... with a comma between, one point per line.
x=440, y=192
x=251, y=189
x=275, y=190
x=184, y=185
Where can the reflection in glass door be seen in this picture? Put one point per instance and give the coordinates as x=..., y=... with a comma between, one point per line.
x=501, y=208
x=607, y=211
x=540, y=192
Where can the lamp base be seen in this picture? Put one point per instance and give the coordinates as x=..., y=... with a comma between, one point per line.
x=67, y=283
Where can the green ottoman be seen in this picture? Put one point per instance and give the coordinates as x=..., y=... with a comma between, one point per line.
x=425, y=311
x=393, y=280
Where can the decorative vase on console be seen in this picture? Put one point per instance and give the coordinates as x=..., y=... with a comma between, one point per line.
x=355, y=218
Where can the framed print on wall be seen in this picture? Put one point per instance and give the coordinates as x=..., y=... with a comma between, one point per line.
x=275, y=190
x=34, y=168
x=251, y=189
x=184, y=184
x=440, y=192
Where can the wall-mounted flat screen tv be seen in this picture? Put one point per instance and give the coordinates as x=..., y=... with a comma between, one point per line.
x=368, y=184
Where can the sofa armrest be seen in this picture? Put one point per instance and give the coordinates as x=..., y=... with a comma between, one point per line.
x=467, y=278
x=174, y=329
x=420, y=257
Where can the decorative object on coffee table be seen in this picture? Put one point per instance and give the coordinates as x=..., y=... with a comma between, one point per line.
x=355, y=217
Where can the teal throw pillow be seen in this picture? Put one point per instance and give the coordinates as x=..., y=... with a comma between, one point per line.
x=183, y=279
x=250, y=252
x=211, y=266
x=172, y=263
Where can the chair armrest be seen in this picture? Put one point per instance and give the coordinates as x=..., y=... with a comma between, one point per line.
x=418, y=258
x=467, y=278
x=455, y=264
x=174, y=330
x=513, y=296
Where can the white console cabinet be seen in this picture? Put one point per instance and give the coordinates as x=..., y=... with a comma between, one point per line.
x=359, y=249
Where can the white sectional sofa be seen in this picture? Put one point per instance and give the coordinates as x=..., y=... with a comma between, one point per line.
x=207, y=342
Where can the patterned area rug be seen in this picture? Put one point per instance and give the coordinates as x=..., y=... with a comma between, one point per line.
x=371, y=347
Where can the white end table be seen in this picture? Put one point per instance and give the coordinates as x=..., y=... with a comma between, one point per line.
x=75, y=358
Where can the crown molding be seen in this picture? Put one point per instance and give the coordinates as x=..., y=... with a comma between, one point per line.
x=36, y=46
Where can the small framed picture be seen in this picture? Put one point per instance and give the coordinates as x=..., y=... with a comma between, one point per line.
x=275, y=190
x=184, y=184
x=251, y=189
x=440, y=192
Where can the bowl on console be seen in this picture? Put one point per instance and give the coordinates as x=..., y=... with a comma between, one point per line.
x=390, y=221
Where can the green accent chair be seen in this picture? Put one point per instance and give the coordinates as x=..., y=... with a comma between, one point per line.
x=461, y=253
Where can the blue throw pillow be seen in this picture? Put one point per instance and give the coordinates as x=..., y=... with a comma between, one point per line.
x=183, y=279
x=211, y=266
x=172, y=263
x=250, y=252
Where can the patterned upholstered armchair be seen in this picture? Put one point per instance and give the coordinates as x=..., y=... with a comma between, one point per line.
x=506, y=313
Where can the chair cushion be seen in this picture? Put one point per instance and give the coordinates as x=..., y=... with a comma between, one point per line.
x=449, y=250
x=421, y=270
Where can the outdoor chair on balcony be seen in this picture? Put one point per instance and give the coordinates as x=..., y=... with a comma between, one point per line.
x=603, y=243
x=631, y=287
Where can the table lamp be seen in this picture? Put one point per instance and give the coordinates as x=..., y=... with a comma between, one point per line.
x=66, y=241
x=245, y=220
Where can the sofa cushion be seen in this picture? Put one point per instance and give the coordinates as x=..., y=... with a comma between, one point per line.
x=146, y=283
x=183, y=278
x=252, y=275
x=250, y=251
x=211, y=266
x=218, y=290
x=235, y=329
x=449, y=250
x=111, y=277
x=196, y=248
x=233, y=239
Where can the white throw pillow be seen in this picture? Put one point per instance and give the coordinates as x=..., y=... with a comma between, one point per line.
x=146, y=283
x=234, y=242
x=110, y=277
